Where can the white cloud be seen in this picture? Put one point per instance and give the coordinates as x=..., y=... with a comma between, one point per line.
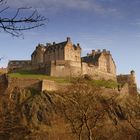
x=96, y=40
x=60, y=4
x=51, y=3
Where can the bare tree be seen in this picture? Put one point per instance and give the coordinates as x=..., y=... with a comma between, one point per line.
x=82, y=111
x=19, y=22
x=133, y=112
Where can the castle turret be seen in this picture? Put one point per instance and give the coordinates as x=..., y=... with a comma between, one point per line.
x=132, y=72
x=37, y=56
x=68, y=39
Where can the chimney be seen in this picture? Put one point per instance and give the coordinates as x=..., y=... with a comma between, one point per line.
x=133, y=76
x=132, y=72
x=98, y=50
x=53, y=43
x=68, y=39
x=104, y=50
x=93, y=51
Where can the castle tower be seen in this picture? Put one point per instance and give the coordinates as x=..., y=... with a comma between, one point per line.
x=37, y=56
x=132, y=72
x=133, y=85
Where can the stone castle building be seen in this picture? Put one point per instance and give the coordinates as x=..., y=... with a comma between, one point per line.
x=64, y=60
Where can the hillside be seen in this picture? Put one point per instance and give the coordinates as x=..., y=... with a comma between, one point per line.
x=82, y=111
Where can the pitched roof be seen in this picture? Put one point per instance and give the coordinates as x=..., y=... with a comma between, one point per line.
x=54, y=46
x=92, y=58
x=38, y=49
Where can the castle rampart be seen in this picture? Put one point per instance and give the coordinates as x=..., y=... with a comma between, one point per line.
x=130, y=80
x=64, y=60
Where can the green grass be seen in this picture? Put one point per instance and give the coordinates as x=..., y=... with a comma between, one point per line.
x=39, y=76
x=106, y=84
x=99, y=83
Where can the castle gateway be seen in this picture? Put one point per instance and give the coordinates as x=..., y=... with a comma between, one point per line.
x=64, y=60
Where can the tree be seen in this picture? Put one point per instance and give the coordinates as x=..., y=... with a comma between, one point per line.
x=19, y=22
x=82, y=110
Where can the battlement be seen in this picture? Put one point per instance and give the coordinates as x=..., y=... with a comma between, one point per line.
x=130, y=80
x=64, y=60
x=94, y=52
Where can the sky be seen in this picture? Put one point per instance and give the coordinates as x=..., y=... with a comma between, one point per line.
x=95, y=24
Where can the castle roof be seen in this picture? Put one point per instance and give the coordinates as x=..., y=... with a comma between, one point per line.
x=92, y=58
x=61, y=45
x=57, y=45
x=40, y=48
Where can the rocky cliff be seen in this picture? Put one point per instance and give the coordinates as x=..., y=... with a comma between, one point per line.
x=80, y=112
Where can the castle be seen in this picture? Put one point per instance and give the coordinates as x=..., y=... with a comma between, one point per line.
x=64, y=60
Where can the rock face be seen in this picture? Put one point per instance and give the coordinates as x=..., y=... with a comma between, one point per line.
x=80, y=112
x=3, y=83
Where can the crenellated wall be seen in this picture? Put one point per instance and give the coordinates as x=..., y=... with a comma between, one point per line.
x=64, y=60
x=130, y=80
x=97, y=73
x=15, y=65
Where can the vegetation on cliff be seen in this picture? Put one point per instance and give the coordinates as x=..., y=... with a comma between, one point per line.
x=86, y=79
x=83, y=111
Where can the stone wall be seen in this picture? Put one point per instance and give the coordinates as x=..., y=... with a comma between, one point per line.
x=49, y=85
x=96, y=73
x=29, y=68
x=24, y=83
x=103, y=63
x=102, y=59
x=18, y=65
x=72, y=52
x=106, y=63
x=112, y=68
x=37, y=56
x=62, y=51
x=130, y=80
x=124, y=89
x=65, y=69
x=76, y=69
x=56, y=53
x=36, y=84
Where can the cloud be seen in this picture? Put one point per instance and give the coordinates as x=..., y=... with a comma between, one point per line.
x=51, y=3
x=60, y=4
x=135, y=24
x=96, y=40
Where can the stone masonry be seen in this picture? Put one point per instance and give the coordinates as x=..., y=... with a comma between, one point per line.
x=64, y=60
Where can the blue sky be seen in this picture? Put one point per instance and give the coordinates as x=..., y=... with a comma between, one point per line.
x=95, y=24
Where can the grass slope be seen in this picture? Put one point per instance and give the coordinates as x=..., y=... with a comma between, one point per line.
x=99, y=83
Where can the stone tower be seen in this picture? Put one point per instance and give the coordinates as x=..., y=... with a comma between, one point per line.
x=37, y=56
x=130, y=80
